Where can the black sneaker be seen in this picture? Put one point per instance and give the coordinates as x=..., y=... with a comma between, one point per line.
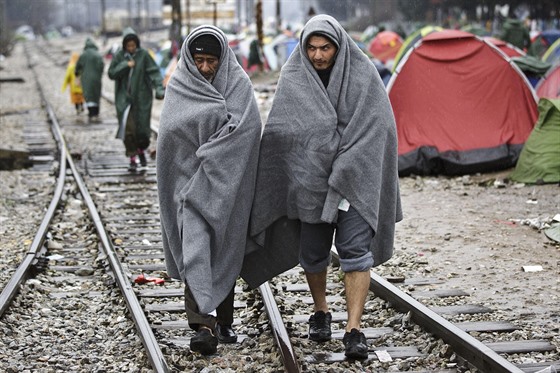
x=225, y=334
x=320, y=326
x=142, y=158
x=355, y=344
x=204, y=342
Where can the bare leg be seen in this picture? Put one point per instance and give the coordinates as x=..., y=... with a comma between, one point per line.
x=357, y=286
x=318, y=286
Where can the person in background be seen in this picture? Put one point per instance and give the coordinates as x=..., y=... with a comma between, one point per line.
x=327, y=167
x=515, y=32
x=255, y=56
x=136, y=75
x=207, y=152
x=89, y=69
x=70, y=80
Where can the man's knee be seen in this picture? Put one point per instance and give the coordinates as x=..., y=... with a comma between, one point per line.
x=357, y=264
x=314, y=265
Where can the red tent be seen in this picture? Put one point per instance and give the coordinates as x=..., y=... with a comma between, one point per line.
x=460, y=106
x=509, y=49
x=385, y=45
x=549, y=85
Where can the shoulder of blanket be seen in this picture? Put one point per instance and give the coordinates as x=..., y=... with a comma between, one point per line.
x=357, y=56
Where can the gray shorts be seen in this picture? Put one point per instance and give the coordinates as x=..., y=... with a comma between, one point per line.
x=352, y=241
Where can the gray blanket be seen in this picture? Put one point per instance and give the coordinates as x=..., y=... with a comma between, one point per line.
x=320, y=146
x=207, y=154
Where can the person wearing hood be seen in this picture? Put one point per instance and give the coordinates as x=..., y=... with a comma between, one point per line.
x=327, y=168
x=89, y=69
x=136, y=75
x=515, y=33
x=70, y=80
x=207, y=152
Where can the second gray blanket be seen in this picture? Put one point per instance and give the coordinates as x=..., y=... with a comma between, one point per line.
x=321, y=145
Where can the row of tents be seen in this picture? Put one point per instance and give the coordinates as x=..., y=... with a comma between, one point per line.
x=465, y=104
x=388, y=48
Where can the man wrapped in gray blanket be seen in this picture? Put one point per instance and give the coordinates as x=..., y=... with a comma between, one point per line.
x=207, y=155
x=328, y=163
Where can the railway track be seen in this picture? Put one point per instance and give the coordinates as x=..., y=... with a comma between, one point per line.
x=412, y=324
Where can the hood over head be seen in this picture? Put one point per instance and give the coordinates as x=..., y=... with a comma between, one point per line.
x=130, y=34
x=322, y=25
x=90, y=44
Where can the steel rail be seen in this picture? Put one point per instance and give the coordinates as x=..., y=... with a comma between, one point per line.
x=149, y=341
x=155, y=354
x=466, y=346
x=279, y=330
x=34, y=252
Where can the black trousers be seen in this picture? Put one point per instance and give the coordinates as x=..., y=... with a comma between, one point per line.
x=224, y=312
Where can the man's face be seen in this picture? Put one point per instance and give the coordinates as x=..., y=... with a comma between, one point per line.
x=321, y=52
x=207, y=64
x=131, y=46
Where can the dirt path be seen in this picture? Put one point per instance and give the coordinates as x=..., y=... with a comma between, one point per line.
x=471, y=231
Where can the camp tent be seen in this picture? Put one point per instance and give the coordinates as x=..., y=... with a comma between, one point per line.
x=279, y=50
x=533, y=68
x=542, y=41
x=549, y=85
x=413, y=39
x=509, y=49
x=460, y=105
x=539, y=161
x=385, y=46
x=552, y=54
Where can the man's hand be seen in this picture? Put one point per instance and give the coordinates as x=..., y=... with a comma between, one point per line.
x=131, y=63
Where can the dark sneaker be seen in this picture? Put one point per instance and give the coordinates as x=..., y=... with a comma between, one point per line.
x=320, y=326
x=142, y=158
x=225, y=334
x=204, y=342
x=355, y=344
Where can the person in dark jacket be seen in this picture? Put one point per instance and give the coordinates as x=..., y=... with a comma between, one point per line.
x=136, y=75
x=89, y=69
x=255, y=56
x=515, y=32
